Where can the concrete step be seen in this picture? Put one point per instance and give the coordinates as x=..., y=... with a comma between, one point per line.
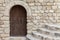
x=44, y=36
x=51, y=31
x=53, y=25
x=31, y=37
x=50, y=27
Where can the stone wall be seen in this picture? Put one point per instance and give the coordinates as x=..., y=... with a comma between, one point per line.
x=42, y=11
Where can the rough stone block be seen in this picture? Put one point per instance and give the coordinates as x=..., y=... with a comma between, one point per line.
x=1, y=14
x=4, y=26
x=44, y=4
x=29, y=0
x=58, y=21
x=41, y=1
x=1, y=1
x=37, y=4
x=6, y=22
x=7, y=38
x=2, y=8
x=57, y=0
x=6, y=30
x=1, y=22
x=0, y=4
x=31, y=4
x=4, y=35
x=49, y=7
x=4, y=18
x=1, y=32
x=58, y=15
x=51, y=11
x=54, y=7
x=34, y=14
x=57, y=11
x=46, y=0
x=58, y=4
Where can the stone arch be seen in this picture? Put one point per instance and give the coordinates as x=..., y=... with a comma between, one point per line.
x=11, y=4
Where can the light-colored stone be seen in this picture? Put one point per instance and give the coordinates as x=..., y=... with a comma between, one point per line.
x=54, y=7
x=40, y=7
x=57, y=0
x=1, y=15
x=52, y=11
x=57, y=3
x=49, y=7
x=30, y=0
x=38, y=17
x=34, y=14
x=1, y=22
x=17, y=38
x=7, y=38
x=4, y=26
x=6, y=22
x=44, y=4
x=4, y=35
x=31, y=4
x=37, y=4
x=6, y=1
x=2, y=8
x=1, y=4
x=58, y=14
x=41, y=1
x=51, y=1
x=46, y=11
x=5, y=18
x=6, y=30
x=41, y=11
x=4, y=5
x=58, y=21
x=38, y=12
x=1, y=32
x=57, y=11
x=1, y=1
x=46, y=0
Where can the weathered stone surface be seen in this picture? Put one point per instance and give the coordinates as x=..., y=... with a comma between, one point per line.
x=4, y=35
x=40, y=1
x=2, y=8
x=54, y=7
x=4, y=18
x=57, y=11
x=1, y=32
x=1, y=1
x=1, y=4
x=6, y=30
x=7, y=38
x=42, y=11
x=57, y=1
x=30, y=0
x=1, y=22
x=1, y=15
x=6, y=22
x=31, y=4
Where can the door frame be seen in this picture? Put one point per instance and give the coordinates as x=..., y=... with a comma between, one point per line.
x=10, y=5
x=18, y=12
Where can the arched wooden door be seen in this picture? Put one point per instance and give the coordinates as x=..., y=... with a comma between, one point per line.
x=18, y=21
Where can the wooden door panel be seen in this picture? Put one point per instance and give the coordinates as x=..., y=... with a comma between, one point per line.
x=18, y=20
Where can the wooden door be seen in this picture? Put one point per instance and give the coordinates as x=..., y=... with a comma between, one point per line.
x=18, y=21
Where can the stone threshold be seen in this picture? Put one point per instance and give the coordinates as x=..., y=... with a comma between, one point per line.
x=18, y=38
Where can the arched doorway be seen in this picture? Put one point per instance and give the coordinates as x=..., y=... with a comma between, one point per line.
x=18, y=21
